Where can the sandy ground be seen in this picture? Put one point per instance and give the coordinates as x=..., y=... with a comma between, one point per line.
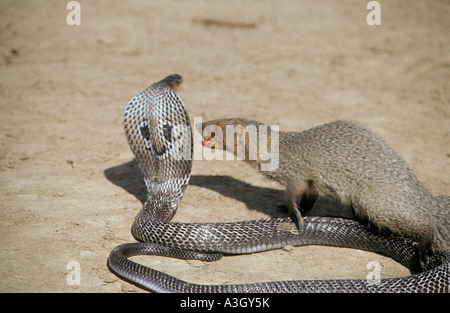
x=69, y=187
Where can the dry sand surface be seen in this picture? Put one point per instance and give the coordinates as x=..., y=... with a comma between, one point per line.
x=69, y=185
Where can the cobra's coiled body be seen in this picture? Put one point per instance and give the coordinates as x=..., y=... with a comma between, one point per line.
x=159, y=133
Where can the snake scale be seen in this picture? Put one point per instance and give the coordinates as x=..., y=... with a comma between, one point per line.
x=158, y=130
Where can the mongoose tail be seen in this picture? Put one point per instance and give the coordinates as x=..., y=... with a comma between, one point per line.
x=349, y=162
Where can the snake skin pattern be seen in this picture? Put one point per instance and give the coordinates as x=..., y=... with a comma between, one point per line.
x=159, y=133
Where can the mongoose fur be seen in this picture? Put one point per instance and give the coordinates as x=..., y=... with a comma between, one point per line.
x=349, y=162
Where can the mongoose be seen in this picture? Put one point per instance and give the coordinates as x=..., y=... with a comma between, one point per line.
x=349, y=162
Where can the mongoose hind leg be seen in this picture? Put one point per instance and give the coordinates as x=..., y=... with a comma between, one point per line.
x=418, y=228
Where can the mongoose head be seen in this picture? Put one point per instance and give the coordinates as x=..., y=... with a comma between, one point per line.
x=213, y=134
x=216, y=132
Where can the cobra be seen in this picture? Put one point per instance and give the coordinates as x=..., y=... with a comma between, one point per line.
x=158, y=130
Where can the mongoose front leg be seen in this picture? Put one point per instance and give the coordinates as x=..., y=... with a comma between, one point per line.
x=307, y=201
x=291, y=196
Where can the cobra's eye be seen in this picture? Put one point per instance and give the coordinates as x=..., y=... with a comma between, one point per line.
x=167, y=132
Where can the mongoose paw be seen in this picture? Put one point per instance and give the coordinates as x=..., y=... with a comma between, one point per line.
x=297, y=219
